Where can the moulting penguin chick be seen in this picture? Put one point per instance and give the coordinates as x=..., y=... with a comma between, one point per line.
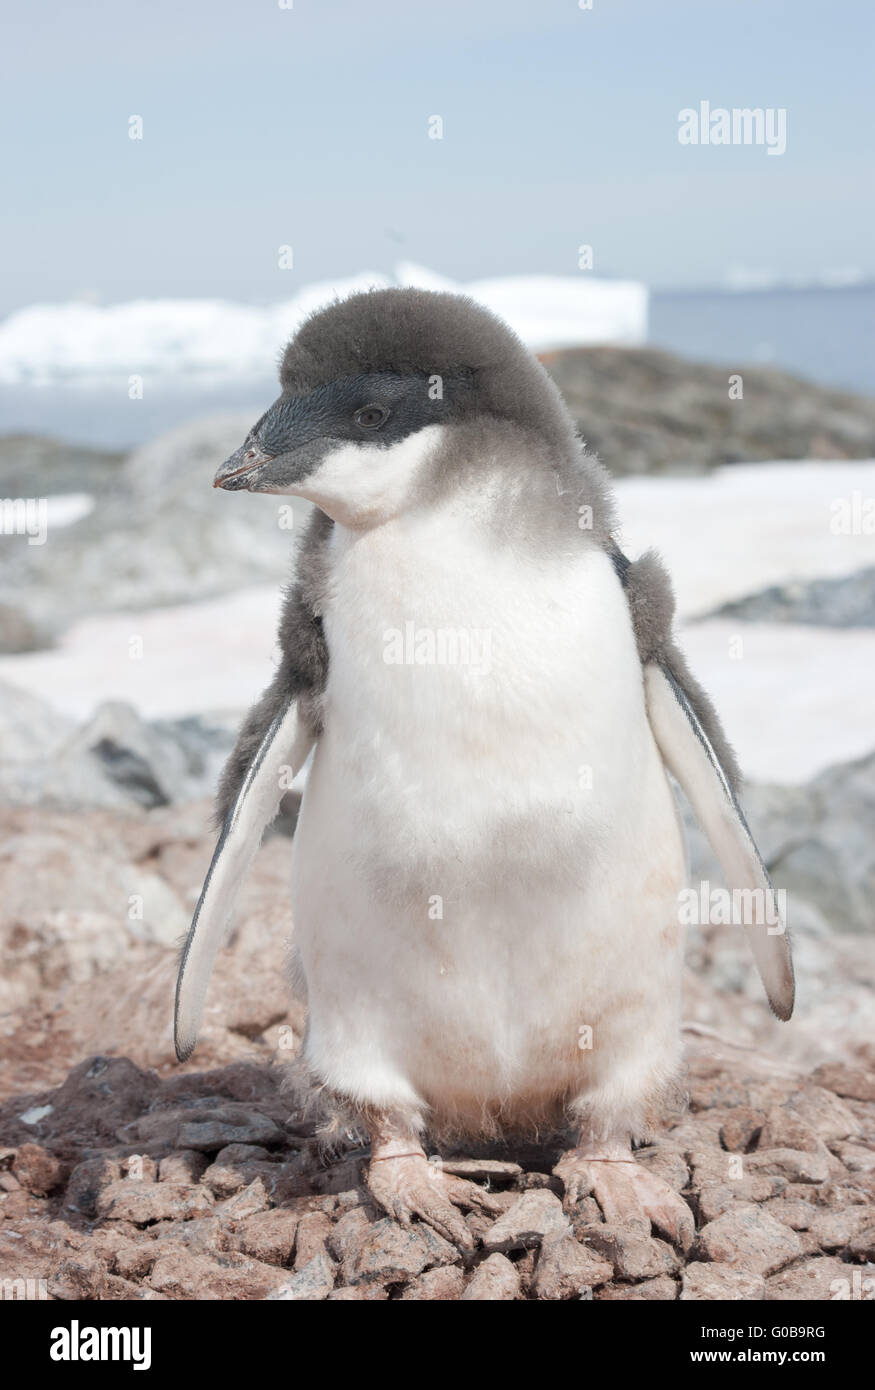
x=488, y=858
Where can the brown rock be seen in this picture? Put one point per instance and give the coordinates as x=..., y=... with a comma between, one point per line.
x=118, y=1290
x=87, y=1181
x=80, y=1276
x=796, y=1165
x=740, y=1129
x=314, y=1228
x=530, y=1181
x=268, y=1236
x=714, y=1199
x=833, y=1230
x=312, y=1284
x=707, y=1282
x=854, y=1083
x=714, y=1167
x=531, y=1217
x=810, y=1279
x=182, y=1166
x=233, y=1155
x=394, y=1254
x=631, y=1255
x=495, y=1280
x=204, y=1235
x=823, y=1112
x=862, y=1246
x=566, y=1268
x=666, y=1162
x=14, y=1206
x=857, y=1158
x=661, y=1289
x=225, y=1180
x=440, y=1285
x=749, y=1239
x=339, y=1177
x=37, y=1170
x=133, y=1260
x=252, y=1199
x=482, y=1169
x=139, y=1167
x=359, y=1293
x=145, y=1202
x=792, y=1212
x=587, y=1212
x=347, y=1230
x=784, y=1129
x=188, y=1275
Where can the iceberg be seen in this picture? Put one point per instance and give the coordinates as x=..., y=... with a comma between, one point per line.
x=213, y=340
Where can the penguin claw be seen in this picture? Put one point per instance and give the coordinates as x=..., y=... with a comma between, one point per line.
x=410, y=1187
x=628, y=1195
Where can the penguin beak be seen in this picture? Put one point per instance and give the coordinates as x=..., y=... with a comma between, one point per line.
x=235, y=473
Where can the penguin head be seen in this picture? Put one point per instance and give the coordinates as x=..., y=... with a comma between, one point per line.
x=370, y=387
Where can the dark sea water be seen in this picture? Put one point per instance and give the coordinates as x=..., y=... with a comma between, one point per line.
x=825, y=335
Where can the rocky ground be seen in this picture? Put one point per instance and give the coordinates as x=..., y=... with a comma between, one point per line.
x=647, y=411
x=124, y=1175
x=125, y=1184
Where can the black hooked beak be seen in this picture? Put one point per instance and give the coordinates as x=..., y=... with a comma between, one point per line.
x=244, y=461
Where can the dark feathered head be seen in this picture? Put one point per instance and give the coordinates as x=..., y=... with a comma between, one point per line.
x=368, y=376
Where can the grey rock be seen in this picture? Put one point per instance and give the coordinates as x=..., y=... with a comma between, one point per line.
x=159, y=534
x=33, y=465
x=747, y=1238
x=796, y=1165
x=820, y=1279
x=534, y=1215
x=443, y=1284
x=30, y=728
x=567, y=1269
x=210, y=1135
x=495, y=1280
x=632, y=1256
x=391, y=1253
x=482, y=1169
x=648, y=411
x=818, y=842
x=846, y=601
x=312, y=1284
x=705, y=1282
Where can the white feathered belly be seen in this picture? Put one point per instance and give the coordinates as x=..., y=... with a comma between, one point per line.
x=488, y=856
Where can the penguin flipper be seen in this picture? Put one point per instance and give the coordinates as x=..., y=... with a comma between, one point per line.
x=689, y=755
x=286, y=744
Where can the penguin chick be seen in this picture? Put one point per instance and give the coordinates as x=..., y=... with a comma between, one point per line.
x=487, y=863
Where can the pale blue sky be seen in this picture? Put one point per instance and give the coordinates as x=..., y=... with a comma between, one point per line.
x=308, y=126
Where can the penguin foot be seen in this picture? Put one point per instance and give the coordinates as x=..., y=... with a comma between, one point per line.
x=406, y=1185
x=628, y=1194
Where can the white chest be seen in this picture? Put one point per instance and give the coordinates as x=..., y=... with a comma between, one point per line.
x=487, y=841
x=472, y=688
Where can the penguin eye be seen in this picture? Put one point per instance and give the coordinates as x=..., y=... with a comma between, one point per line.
x=371, y=417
